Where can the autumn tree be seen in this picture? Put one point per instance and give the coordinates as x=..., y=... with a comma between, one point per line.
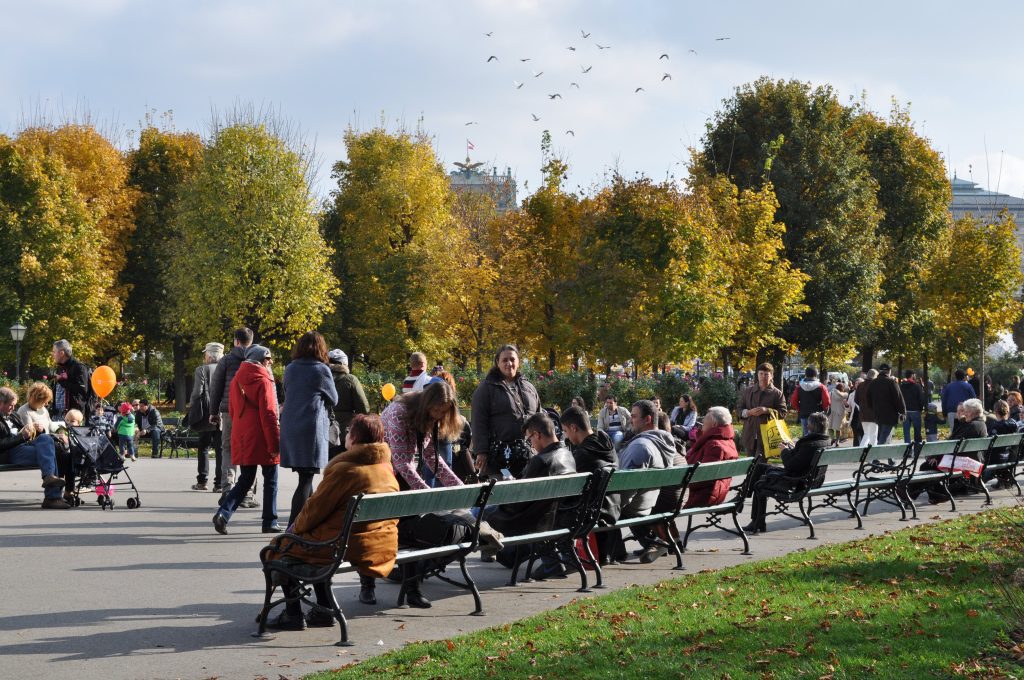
x=390, y=224
x=162, y=165
x=798, y=137
x=972, y=282
x=52, y=252
x=250, y=250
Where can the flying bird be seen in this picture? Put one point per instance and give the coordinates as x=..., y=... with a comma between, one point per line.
x=587, y=69
x=664, y=56
x=576, y=85
x=603, y=47
x=535, y=118
x=639, y=89
x=721, y=39
x=537, y=74
x=518, y=84
x=585, y=35
x=667, y=76
x=570, y=132
x=489, y=33
x=527, y=59
x=554, y=96
x=571, y=48
x=692, y=51
x=491, y=58
x=472, y=122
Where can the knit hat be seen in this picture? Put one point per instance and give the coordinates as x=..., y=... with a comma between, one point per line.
x=336, y=356
x=214, y=348
x=257, y=353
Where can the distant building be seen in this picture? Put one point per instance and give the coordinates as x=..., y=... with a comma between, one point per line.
x=970, y=199
x=470, y=179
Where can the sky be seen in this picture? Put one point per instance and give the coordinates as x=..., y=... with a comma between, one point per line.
x=325, y=66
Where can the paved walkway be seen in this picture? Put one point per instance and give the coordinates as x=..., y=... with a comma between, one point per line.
x=156, y=593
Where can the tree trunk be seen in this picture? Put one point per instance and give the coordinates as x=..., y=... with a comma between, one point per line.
x=899, y=367
x=777, y=358
x=867, y=355
x=924, y=378
x=180, y=395
x=981, y=376
x=145, y=362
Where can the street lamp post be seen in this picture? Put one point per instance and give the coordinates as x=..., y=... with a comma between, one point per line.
x=17, y=334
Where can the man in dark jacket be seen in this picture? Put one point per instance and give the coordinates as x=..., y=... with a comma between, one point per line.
x=796, y=462
x=30, y=445
x=72, y=380
x=810, y=396
x=954, y=394
x=593, y=451
x=886, y=401
x=915, y=403
x=209, y=434
x=219, y=393
x=867, y=415
x=550, y=459
x=351, y=397
x=151, y=425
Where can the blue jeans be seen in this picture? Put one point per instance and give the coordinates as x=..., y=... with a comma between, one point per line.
x=38, y=452
x=242, y=486
x=803, y=426
x=154, y=436
x=125, y=442
x=913, y=418
x=444, y=452
x=883, y=433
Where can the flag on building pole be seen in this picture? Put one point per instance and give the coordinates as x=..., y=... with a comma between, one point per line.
x=469, y=146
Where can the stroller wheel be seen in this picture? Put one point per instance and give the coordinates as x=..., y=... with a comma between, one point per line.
x=77, y=502
x=102, y=500
x=132, y=503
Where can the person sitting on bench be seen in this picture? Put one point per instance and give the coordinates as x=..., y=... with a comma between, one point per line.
x=22, y=444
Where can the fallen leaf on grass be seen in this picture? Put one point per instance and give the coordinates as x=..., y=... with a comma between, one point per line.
x=972, y=613
x=450, y=645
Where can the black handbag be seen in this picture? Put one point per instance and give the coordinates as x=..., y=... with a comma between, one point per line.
x=511, y=455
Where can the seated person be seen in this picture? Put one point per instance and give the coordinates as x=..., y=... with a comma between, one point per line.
x=74, y=418
x=550, y=459
x=668, y=497
x=796, y=462
x=613, y=420
x=685, y=415
x=22, y=444
x=716, y=441
x=999, y=423
x=969, y=424
x=365, y=466
x=593, y=451
x=151, y=425
x=35, y=411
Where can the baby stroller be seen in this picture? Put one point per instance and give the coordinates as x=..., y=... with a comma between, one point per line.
x=98, y=464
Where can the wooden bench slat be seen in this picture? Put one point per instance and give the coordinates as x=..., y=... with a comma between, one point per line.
x=542, y=488
x=722, y=469
x=381, y=506
x=649, y=478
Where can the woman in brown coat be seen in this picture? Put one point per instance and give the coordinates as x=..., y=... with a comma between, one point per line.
x=364, y=467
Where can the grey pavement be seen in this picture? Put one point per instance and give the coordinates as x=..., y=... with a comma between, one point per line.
x=155, y=593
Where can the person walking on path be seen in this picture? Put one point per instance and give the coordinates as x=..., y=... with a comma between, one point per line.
x=867, y=414
x=836, y=413
x=209, y=433
x=954, y=394
x=220, y=396
x=886, y=401
x=352, y=399
x=915, y=403
x=754, y=405
x=309, y=395
x=810, y=396
x=256, y=438
x=71, y=380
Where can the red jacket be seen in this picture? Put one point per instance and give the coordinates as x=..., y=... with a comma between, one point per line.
x=255, y=430
x=718, y=443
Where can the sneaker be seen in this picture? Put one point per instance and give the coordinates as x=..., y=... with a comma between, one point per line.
x=200, y=486
x=249, y=502
x=653, y=553
x=55, y=504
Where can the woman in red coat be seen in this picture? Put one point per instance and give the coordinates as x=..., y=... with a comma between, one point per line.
x=716, y=441
x=255, y=437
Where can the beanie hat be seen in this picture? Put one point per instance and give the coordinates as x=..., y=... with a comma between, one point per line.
x=336, y=356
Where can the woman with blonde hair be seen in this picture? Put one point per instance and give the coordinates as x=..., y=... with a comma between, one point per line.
x=37, y=398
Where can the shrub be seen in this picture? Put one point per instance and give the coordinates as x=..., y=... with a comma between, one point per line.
x=716, y=392
x=671, y=386
x=558, y=388
x=372, y=382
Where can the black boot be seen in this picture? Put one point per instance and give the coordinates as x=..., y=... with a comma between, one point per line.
x=367, y=589
x=758, y=508
x=411, y=584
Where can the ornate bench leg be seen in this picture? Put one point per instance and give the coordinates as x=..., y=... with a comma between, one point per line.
x=595, y=563
x=741, y=532
x=261, y=618
x=807, y=518
x=479, y=611
x=577, y=564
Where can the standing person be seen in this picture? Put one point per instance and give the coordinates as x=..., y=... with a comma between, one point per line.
x=310, y=394
x=351, y=397
x=413, y=424
x=72, y=380
x=867, y=415
x=502, y=403
x=954, y=394
x=613, y=420
x=916, y=404
x=836, y=413
x=125, y=428
x=209, y=433
x=754, y=404
x=256, y=438
x=220, y=394
x=854, y=411
x=810, y=396
x=447, y=447
x=28, y=444
x=885, y=399
x=418, y=376
x=151, y=425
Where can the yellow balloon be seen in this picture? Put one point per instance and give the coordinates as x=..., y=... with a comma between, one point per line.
x=103, y=381
x=387, y=391
x=970, y=372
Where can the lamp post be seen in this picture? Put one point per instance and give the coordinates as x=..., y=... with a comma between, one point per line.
x=17, y=334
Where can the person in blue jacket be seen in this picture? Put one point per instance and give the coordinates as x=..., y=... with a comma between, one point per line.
x=954, y=394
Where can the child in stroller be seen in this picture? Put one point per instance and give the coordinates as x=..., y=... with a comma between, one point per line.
x=99, y=464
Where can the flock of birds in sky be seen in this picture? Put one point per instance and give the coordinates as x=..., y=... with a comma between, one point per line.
x=584, y=68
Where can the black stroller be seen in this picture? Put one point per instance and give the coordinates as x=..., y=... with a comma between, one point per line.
x=98, y=464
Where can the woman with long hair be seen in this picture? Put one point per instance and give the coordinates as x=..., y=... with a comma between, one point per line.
x=305, y=424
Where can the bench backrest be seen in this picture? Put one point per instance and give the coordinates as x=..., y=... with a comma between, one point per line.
x=939, y=448
x=378, y=506
x=974, y=445
x=722, y=469
x=648, y=478
x=542, y=488
x=846, y=454
x=1007, y=440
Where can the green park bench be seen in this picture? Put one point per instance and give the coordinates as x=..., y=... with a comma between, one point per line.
x=1013, y=444
x=180, y=436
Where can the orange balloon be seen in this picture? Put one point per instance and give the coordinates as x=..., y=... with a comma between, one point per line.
x=103, y=381
x=387, y=390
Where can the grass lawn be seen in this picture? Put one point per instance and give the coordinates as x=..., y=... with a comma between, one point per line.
x=920, y=603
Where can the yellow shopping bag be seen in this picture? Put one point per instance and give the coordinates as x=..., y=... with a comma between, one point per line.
x=774, y=434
